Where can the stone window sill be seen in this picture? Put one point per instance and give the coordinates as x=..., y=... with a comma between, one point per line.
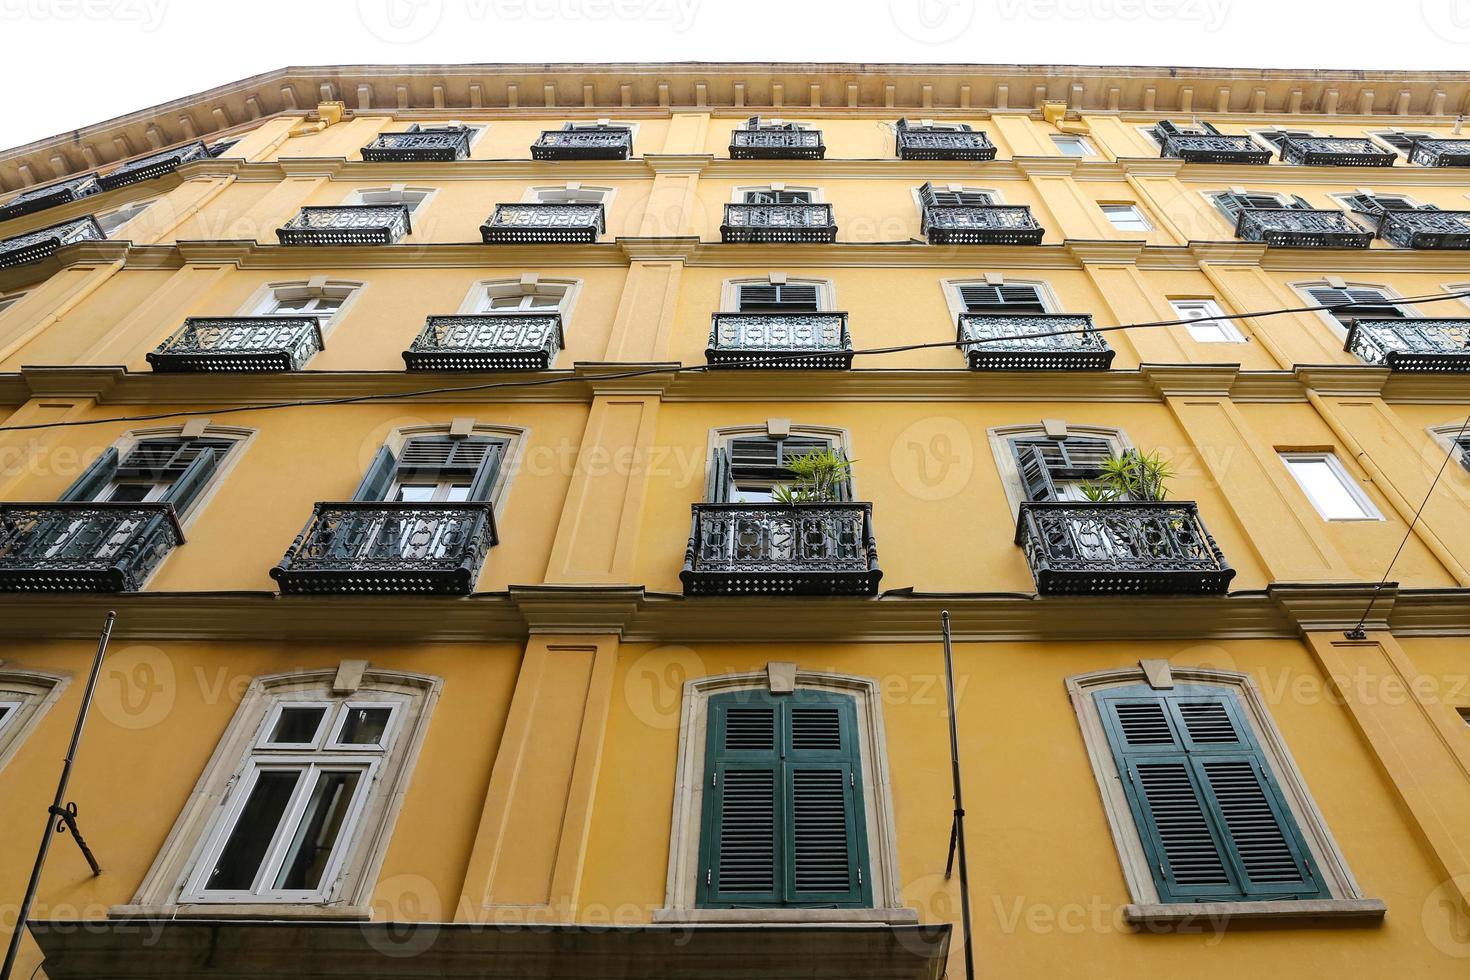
x=787, y=916
x=242, y=910
x=1331, y=911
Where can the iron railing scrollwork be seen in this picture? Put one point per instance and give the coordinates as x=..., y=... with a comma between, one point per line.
x=1301, y=228
x=434, y=145
x=1021, y=342
x=781, y=549
x=1418, y=344
x=36, y=245
x=923, y=143
x=1426, y=229
x=780, y=340
x=376, y=547
x=777, y=144
x=778, y=223
x=240, y=343
x=153, y=165
x=50, y=196
x=1211, y=148
x=84, y=546
x=980, y=224
x=544, y=224
x=1335, y=151
x=1430, y=152
x=603, y=143
x=523, y=341
x=1142, y=547
x=348, y=224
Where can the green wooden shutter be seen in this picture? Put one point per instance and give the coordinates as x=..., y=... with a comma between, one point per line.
x=378, y=478
x=926, y=194
x=191, y=482
x=718, y=491
x=95, y=478
x=783, y=820
x=488, y=469
x=1035, y=474
x=1212, y=819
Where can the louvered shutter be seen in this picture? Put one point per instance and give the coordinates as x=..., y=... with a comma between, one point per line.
x=754, y=122
x=1041, y=462
x=379, y=476
x=196, y=475
x=926, y=194
x=94, y=478
x=757, y=297
x=1007, y=298
x=1213, y=822
x=783, y=816
x=486, y=472
x=1366, y=302
x=718, y=491
x=1035, y=475
x=902, y=123
x=758, y=458
x=166, y=459
x=1299, y=203
x=1464, y=445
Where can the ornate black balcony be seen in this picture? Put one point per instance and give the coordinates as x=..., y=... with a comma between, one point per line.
x=432, y=145
x=1013, y=342
x=84, y=547
x=980, y=224
x=778, y=223
x=153, y=165
x=1419, y=344
x=925, y=143
x=1210, y=148
x=780, y=340
x=1335, y=151
x=1300, y=228
x=1426, y=229
x=348, y=224
x=1145, y=547
x=486, y=342
x=240, y=343
x=1440, y=152
x=50, y=196
x=389, y=547
x=768, y=548
x=602, y=143
x=36, y=245
x=777, y=144
x=544, y=224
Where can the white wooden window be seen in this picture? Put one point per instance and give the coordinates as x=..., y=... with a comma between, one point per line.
x=1203, y=326
x=291, y=813
x=1073, y=146
x=1126, y=217
x=323, y=300
x=1328, y=486
x=25, y=696
x=113, y=221
x=571, y=195
x=517, y=296
x=410, y=197
x=9, y=711
x=781, y=196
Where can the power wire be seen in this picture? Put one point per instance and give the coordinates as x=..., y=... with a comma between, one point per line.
x=699, y=368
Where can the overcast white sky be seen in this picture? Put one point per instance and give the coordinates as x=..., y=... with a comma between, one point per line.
x=96, y=59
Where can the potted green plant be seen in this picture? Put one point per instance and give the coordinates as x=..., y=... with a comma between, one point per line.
x=819, y=477
x=1131, y=476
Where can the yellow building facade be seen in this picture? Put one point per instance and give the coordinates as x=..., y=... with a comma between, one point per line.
x=431, y=430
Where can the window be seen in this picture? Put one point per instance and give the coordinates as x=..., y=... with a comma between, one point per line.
x=954, y=196
x=112, y=221
x=7, y=300
x=778, y=197
x=1073, y=146
x=570, y=195
x=1328, y=486
x=784, y=297
x=756, y=122
x=1369, y=202
x=748, y=469
x=410, y=197
x=298, y=803
x=170, y=469
x=25, y=696
x=435, y=469
x=1202, y=326
x=1057, y=469
x=783, y=817
x=1126, y=217
x=1231, y=203
x=1276, y=137
x=940, y=127
x=1358, y=302
x=1204, y=801
x=1402, y=141
x=527, y=294
x=324, y=300
x=1001, y=299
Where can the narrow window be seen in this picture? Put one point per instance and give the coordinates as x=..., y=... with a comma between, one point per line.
x=323, y=302
x=171, y=469
x=1402, y=141
x=571, y=195
x=1057, y=469
x=1073, y=146
x=514, y=297
x=410, y=198
x=783, y=821
x=113, y=221
x=1231, y=203
x=748, y=469
x=1126, y=217
x=958, y=197
x=1357, y=302
x=434, y=469
x=760, y=297
x=777, y=197
x=1017, y=298
x=1202, y=326
x=1328, y=486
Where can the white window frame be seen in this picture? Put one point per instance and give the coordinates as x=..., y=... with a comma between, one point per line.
x=1377, y=136
x=9, y=301
x=730, y=290
x=1001, y=437
x=266, y=300
x=574, y=192
x=516, y=439
x=996, y=197
x=956, y=302
x=476, y=300
x=1133, y=210
x=1338, y=330
x=1367, y=510
x=32, y=693
x=737, y=194
x=132, y=209
x=1089, y=148
x=239, y=436
x=1228, y=332
x=419, y=196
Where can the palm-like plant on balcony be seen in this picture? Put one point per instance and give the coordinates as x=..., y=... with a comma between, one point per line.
x=1131, y=476
x=820, y=476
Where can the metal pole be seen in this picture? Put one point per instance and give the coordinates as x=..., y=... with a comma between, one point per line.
x=957, y=829
x=56, y=811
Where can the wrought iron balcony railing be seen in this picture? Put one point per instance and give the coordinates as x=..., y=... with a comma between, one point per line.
x=603, y=143
x=1300, y=228
x=777, y=144
x=1419, y=344
x=389, y=547
x=923, y=143
x=50, y=196
x=84, y=547
x=780, y=340
x=980, y=224
x=36, y=245
x=1440, y=152
x=544, y=224
x=1144, y=547
x=153, y=165
x=1211, y=148
x=778, y=223
x=769, y=548
x=433, y=145
x=348, y=224
x=240, y=343
x=1426, y=229
x=1335, y=151
x=1018, y=342
x=525, y=341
